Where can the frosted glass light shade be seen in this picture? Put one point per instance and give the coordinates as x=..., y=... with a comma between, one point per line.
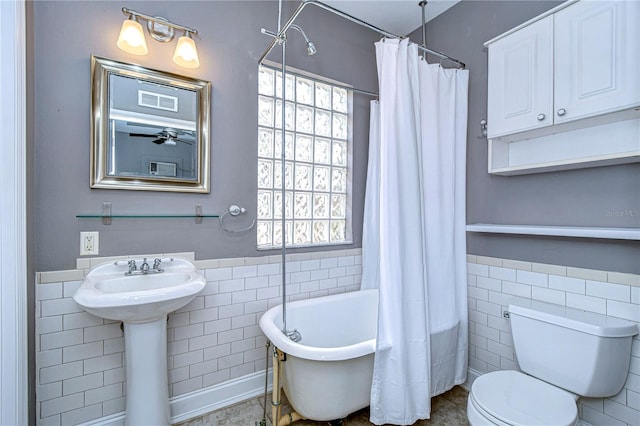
x=132, y=39
x=186, y=54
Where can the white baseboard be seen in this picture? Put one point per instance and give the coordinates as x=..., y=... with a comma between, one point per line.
x=197, y=403
x=214, y=398
x=112, y=420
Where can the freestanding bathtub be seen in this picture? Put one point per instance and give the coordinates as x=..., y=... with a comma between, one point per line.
x=327, y=375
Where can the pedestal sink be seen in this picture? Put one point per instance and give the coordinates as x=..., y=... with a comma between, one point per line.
x=142, y=298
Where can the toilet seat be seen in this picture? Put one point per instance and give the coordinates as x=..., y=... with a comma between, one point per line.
x=478, y=416
x=515, y=399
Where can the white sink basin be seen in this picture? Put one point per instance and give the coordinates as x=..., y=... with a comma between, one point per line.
x=107, y=293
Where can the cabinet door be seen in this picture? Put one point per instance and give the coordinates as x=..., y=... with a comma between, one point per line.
x=596, y=58
x=520, y=80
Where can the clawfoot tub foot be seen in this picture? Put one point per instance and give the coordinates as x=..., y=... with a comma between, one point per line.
x=336, y=422
x=289, y=418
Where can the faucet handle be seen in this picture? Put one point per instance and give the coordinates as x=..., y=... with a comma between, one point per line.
x=156, y=263
x=132, y=267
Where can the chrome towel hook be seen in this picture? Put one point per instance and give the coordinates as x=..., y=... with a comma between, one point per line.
x=234, y=211
x=483, y=129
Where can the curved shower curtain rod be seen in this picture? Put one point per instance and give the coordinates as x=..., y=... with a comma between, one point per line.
x=358, y=21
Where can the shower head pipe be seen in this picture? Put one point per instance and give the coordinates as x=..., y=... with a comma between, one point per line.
x=311, y=48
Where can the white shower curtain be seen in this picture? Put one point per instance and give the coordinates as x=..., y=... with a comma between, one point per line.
x=414, y=243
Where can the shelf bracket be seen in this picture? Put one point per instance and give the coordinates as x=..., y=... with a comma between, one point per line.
x=198, y=214
x=106, y=212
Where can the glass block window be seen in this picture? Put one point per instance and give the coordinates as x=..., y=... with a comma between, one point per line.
x=317, y=169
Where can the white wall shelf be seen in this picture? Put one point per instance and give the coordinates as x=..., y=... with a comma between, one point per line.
x=601, y=142
x=558, y=231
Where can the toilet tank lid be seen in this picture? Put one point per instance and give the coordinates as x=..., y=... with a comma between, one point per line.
x=576, y=319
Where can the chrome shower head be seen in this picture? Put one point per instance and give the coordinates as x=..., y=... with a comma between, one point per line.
x=311, y=48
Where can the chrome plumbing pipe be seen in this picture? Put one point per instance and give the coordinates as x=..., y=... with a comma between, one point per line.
x=422, y=5
x=358, y=21
x=283, y=183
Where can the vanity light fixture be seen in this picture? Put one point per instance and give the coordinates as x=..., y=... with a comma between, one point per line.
x=131, y=37
x=132, y=40
x=186, y=54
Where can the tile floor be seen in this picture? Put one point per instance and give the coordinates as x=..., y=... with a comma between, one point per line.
x=447, y=409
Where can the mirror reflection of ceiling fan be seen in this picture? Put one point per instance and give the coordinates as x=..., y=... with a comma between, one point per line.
x=168, y=136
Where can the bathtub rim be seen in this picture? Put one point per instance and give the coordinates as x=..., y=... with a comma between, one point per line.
x=274, y=334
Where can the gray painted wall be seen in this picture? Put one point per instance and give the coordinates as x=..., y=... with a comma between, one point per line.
x=229, y=44
x=587, y=197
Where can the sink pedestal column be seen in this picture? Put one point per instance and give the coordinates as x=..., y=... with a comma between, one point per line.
x=147, y=400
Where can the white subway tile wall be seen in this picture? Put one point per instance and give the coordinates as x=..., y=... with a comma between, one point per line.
x=492, y=282
x=215, y=338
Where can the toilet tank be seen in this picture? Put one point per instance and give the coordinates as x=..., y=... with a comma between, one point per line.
x=583, y=352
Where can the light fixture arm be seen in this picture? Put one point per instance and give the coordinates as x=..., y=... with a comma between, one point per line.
x=130, y=12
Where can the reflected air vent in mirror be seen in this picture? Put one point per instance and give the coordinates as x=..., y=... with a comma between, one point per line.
x=156, y=168
x=157, y=101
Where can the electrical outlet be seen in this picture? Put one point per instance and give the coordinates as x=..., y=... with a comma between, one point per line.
x=89, y=243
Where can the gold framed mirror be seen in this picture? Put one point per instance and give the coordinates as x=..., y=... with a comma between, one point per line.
x=149, y=129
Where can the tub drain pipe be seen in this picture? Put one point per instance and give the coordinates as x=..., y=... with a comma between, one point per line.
x=278, y=355
x=276, y=393
x=263, y=421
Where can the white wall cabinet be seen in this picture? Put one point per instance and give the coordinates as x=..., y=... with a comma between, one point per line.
x=520, y=91
x=596, y=56
x=574, y=68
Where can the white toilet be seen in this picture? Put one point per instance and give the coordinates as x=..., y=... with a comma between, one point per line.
x=564, y=353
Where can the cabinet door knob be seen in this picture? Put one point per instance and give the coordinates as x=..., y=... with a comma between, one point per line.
x=562, y=112
x=541, y=117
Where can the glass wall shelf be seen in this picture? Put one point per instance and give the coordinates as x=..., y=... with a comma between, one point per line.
x=106, y=219
x=107, y=216
x=143, y=216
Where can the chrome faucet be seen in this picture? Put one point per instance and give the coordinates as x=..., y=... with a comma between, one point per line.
x=132, y=266
x=144, y=268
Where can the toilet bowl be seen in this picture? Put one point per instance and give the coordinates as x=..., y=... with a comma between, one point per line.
x=563, y=353
x=511, y=398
